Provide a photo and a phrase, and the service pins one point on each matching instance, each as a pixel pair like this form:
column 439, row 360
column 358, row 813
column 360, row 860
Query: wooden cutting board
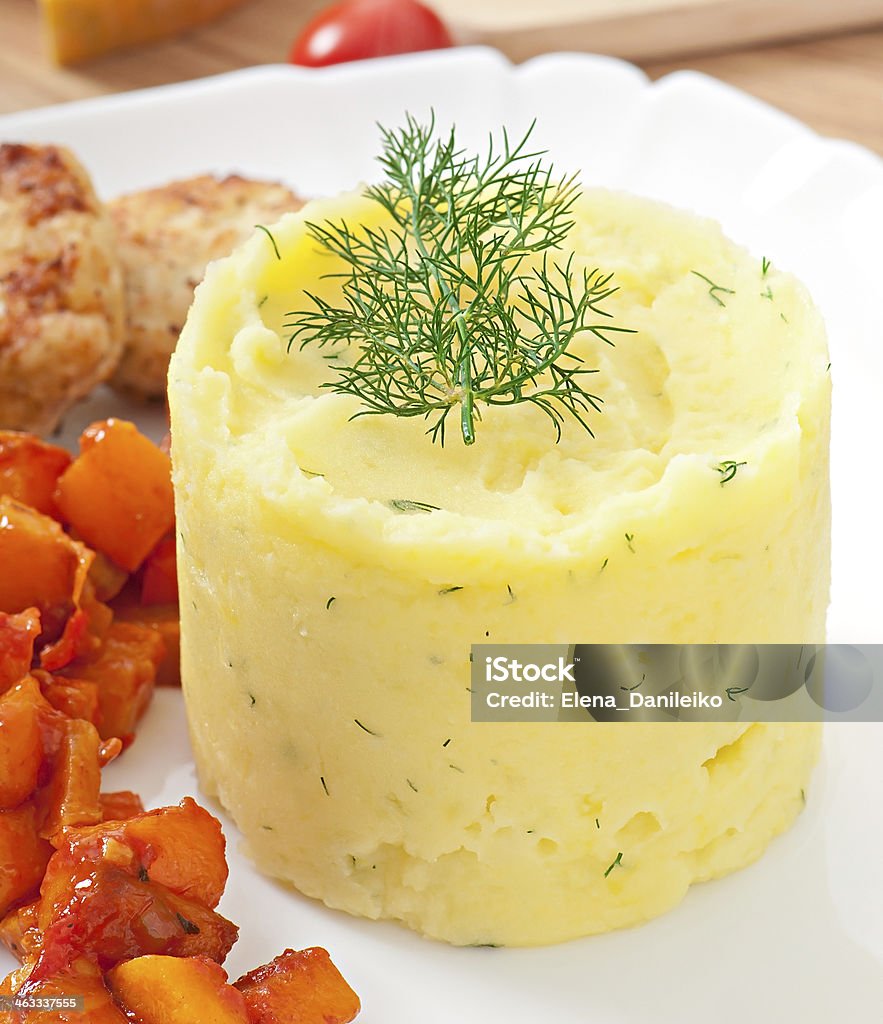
column 648, row 29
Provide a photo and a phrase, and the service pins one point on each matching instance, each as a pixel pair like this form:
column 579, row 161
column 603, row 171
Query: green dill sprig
column 269, row 235
column 628, row 689
column 187, row 926
column 714, row 289
column 616, row 863
column 728, row 469
column 365, row 728
column 405, row 505
column 734, row 691
column 460, row 302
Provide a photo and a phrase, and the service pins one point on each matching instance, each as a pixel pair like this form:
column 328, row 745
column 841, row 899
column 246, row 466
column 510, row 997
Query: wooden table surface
column 835, row 84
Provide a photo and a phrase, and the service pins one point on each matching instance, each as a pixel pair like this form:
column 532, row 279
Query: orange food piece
column 180, row 848
column 9, row 986
column 17, row 636
column 118, row 916
column 107, row 578
column 70, row 644
column 124, row 669
column 40, row 566
column 75, row 698
column 30, row 468
column 171, row 990
column 299, row 987
column 183, row 848
column 109, row 751
column 23, row 856
column 159, row 584
column 165, row 619
column 80, row 978
column 85, row 627
column 21, row 746
column 117, row 494
column 71, row 796
column 20, row 932
column 79, row 30
column 121, row 805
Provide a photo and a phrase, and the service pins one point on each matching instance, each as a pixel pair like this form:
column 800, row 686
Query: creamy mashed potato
column 326, row 669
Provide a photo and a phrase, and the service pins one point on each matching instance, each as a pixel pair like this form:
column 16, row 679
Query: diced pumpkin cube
column 75, row 698
column 18, row 634
column 117, row 916
column 124, row 670
column 40, row 566
column 117, row 494
column 20, row 932
column 30, row 468
column 299, row 987
column 21, row 746
column 171, row 990
column 80, row 978
column 120, row 806
column 23, row 856
column 159, row 584
column 71, row 796
column 181, row 848
column 165, row 619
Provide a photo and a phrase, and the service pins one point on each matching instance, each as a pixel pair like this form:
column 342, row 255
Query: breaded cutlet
column 61, row 297
column 167, row 236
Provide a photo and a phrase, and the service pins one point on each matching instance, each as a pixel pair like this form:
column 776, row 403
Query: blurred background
column 819, row 60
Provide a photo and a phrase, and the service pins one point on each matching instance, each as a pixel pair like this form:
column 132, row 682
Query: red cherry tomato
column 358, row 29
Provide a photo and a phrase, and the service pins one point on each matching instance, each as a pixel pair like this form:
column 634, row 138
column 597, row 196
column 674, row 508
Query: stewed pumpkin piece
column 117, row 493
column 174, row 990
column 299, row 987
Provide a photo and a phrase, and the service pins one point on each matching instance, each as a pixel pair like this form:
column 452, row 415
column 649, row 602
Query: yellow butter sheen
column 326, row 672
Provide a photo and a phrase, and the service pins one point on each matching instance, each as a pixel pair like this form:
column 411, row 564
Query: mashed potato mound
column 325, row 653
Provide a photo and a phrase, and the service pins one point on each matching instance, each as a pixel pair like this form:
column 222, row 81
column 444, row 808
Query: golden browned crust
column 166, row 237
column 61, row 300
column 40, row 178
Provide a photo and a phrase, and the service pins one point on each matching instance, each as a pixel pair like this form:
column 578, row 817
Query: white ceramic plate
column 799, row 935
